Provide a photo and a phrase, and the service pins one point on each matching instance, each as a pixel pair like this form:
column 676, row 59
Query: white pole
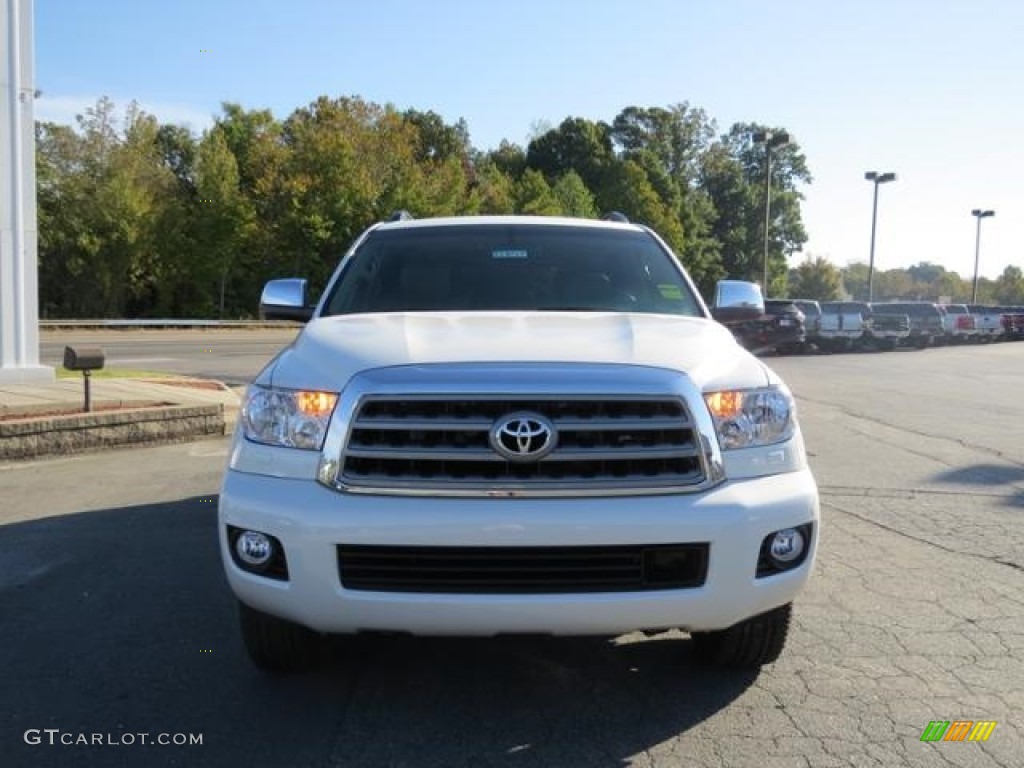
column 19, row 276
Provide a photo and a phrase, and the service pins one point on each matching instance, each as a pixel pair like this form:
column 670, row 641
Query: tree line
column 817, row 278
column 143, row 219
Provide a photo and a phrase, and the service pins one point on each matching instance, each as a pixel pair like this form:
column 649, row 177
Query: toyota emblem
column 523, row 437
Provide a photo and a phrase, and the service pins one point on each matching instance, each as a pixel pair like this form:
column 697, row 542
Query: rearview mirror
column 737, row 300
column 285, row 300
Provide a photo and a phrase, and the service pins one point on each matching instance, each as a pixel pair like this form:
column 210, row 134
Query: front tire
column 276, row 645
column 750, row 644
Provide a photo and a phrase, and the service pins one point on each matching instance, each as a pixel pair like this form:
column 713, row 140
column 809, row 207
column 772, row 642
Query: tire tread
column 754, row 642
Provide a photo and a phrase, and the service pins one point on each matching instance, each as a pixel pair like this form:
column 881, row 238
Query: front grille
column 443, row 443
column 522, row 570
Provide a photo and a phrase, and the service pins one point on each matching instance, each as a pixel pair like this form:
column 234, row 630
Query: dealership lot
column 116, row 619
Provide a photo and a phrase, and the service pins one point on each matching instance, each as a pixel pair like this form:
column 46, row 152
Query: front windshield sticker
column 669, row 291
column 510, row 254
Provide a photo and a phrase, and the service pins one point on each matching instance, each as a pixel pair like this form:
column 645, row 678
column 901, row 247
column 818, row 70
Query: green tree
column 435, row 139
column 534, row 197
column 508, row 158
column 898, row 284
column 630, row 191
column 576, row 145
column 670, row 143
column 952, row 285
column 223, row 216
column 490, row 190
column 142, row 218
column 816, row 279
column 61, row 194
column 101, row 191
column 256, row 140
column 855, row 281
column 676, row 136
column 137, row 189
column 349, row 163
column 573, row 197
column 171, row 271
column 736, row 183
column 732, row 225
column 1009, row 286
column 177, row 149
column 925, row 272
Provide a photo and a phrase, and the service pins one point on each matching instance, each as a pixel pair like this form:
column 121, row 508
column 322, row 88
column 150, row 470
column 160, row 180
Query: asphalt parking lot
column 116, row 620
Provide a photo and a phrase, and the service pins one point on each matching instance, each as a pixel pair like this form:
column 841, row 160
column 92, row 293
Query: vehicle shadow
column 989, row 475
column 119, row 623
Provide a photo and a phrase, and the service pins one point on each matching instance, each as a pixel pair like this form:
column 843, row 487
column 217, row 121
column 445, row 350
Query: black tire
column 276, row 645
column 887, row 345
column 752, row 643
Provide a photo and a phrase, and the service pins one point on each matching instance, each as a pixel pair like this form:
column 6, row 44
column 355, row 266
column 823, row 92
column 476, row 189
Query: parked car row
column 796, row 325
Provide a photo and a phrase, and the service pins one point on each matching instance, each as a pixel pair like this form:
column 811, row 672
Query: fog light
column 254, row 548
column 787, row 545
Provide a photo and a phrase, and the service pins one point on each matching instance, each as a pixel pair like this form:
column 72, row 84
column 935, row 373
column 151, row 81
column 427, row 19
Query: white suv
column 501, row 425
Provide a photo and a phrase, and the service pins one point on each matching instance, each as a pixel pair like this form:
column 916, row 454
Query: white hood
column 331, row 350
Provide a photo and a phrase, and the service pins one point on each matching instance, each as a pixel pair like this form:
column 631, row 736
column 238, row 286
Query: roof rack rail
column 401, row 215
column 616, row 216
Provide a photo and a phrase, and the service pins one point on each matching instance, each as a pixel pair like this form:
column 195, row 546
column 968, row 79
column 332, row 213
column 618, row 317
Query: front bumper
column 311, row 521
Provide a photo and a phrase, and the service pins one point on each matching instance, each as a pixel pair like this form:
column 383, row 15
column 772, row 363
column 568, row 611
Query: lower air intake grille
column 522, row 570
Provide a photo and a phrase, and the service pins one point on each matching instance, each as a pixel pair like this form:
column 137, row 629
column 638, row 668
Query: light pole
column 979, row 214
column 877, row 178
column 771, row 140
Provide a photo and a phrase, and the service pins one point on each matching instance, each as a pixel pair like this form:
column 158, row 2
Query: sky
column 928, row 89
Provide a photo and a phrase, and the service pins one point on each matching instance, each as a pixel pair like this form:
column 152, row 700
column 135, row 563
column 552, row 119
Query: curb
column 81, row 432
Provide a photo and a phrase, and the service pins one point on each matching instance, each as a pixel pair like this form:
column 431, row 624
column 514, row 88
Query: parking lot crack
column 902, row 494
column 855, row 414
column 922, row 540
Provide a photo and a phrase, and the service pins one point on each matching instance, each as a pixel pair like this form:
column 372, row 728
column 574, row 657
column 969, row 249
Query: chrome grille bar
column 430, row 430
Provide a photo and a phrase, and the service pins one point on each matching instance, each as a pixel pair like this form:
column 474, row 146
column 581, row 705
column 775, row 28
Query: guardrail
column 166, row 323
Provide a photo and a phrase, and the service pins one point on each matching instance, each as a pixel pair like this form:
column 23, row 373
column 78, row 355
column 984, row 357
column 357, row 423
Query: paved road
column 232, row 356
column 115, row 619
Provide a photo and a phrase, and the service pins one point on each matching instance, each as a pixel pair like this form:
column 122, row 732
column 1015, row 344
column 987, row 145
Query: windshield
column 511, row 267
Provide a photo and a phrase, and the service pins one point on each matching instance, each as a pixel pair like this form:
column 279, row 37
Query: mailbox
column 86, row 360
column 83, row 358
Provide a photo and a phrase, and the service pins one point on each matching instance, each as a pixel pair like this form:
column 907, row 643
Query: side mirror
column 285, row 300
column 737, row 301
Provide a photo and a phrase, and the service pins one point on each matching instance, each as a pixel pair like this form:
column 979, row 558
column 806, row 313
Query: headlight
column 287, row 417
column 748, row 418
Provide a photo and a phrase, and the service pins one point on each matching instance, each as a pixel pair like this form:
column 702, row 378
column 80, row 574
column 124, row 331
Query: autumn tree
column 139, row 218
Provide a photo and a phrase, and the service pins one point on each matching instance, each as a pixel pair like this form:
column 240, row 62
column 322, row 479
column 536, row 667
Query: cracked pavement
column 109, row 590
